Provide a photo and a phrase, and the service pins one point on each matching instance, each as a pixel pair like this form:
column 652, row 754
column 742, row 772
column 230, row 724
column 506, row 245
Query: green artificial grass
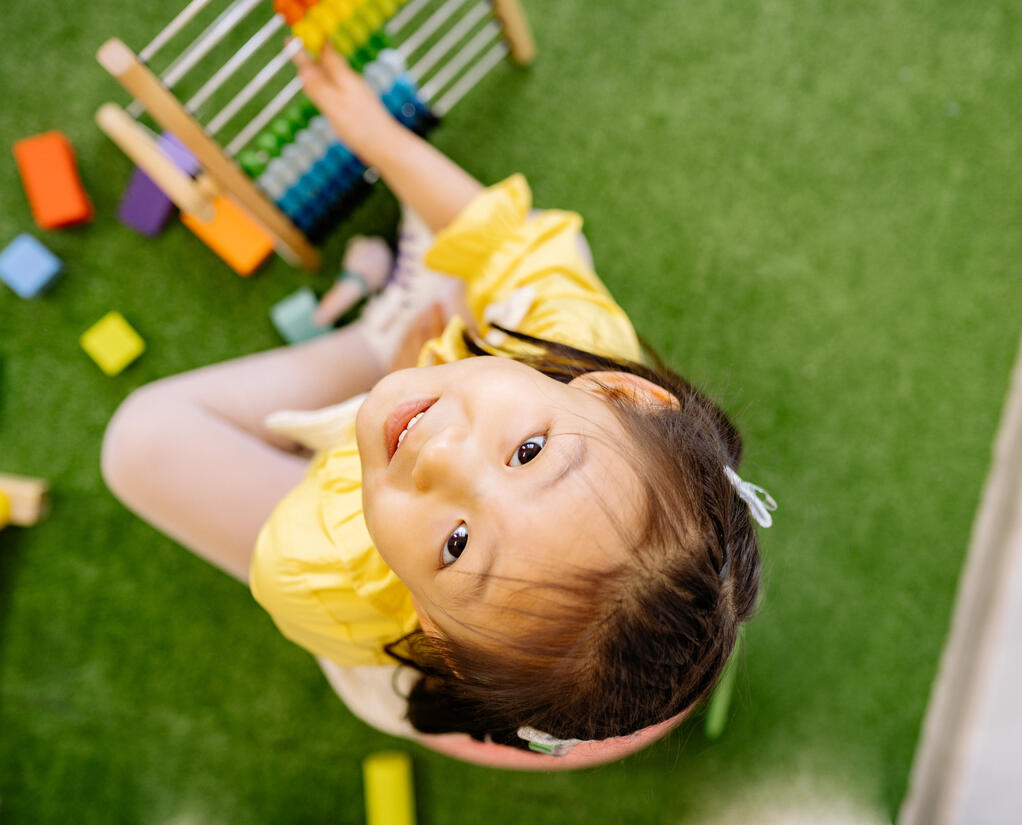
column 811, row 209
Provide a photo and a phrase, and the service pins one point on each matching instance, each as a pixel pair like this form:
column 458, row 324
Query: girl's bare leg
column 191, row 455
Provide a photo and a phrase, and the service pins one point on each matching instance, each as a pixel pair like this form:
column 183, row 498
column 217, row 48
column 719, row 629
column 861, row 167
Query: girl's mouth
column 401, row 420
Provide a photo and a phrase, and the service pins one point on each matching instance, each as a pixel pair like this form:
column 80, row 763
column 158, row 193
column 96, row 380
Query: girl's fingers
column 334, row 66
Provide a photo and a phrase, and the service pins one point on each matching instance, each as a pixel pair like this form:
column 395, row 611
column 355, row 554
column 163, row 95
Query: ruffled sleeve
column 525, row 270
column 316, row 572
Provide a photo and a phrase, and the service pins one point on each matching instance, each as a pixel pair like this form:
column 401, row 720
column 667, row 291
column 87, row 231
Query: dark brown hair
column 614, row 650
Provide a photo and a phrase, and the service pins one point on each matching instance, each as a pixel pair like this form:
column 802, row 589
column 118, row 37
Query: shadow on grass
column 10, row 542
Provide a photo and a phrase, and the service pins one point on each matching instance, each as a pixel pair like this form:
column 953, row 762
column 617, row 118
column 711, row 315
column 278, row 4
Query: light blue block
column 292, row 317
column 28, row 267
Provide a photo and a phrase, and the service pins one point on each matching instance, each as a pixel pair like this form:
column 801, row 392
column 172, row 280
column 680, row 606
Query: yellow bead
column 342, row 8
column 5, row 509
column 311, row 34
column 326, row 18
column 112, row 343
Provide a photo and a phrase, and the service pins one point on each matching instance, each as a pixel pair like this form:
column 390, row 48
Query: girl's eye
column 527, row 451
column 455, row 545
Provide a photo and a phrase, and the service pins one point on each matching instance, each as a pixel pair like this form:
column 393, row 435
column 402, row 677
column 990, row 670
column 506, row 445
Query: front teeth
column 409, row 425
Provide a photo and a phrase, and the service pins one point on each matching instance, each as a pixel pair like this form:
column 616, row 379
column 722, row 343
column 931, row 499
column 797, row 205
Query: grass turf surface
column 811, row 209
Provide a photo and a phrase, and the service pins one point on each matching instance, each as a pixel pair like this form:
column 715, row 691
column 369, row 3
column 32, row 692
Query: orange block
column 48, row 171
column 232, row 235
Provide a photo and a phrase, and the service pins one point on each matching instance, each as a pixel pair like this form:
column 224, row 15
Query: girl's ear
column 430, row 628
column 637, row 388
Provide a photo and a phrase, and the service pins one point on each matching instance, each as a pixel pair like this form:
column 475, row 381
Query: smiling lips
column 401, row 420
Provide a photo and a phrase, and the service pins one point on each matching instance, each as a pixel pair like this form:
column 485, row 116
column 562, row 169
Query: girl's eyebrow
column 575, row 461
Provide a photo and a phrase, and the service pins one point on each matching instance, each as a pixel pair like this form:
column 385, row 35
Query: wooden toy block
column 233, row 235
column 50, row 176
column 27, row 500
column 389, row 796
column 112, row 343
column 144, row 206
column 28, row 267
column 292, row 316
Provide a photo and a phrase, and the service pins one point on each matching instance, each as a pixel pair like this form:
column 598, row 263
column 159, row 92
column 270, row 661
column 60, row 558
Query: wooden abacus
column 284, row 166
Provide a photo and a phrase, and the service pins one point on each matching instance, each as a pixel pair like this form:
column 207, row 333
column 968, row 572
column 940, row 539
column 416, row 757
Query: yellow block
column 112, row 343
column 5, row 509
column 388, row 789
column 233, row 235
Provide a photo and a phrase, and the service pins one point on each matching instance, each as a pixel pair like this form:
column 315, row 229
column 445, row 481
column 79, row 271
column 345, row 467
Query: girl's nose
column 445, row 461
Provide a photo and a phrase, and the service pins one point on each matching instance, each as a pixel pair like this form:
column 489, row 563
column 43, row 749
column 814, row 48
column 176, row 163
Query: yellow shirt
column 315, row 569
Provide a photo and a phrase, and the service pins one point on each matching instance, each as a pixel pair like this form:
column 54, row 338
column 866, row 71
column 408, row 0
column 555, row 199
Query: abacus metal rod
column 231, row 66
column 217, row 31
column 471, row 77
column 269, row 111
column 433, row 22
column 461, row 59
column 201, row 46
column 449, row 40
column 403, row 17
column 173, row 27
column 253, row 86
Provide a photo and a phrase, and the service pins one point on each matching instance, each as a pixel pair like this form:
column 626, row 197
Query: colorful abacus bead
column 269, row 143
column 291, row 10
column 342, row 43
column 254, row 162
column 310, row 33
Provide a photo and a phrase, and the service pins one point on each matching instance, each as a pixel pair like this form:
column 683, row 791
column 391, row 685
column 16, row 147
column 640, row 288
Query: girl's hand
column 428, row 324
column 357, row 116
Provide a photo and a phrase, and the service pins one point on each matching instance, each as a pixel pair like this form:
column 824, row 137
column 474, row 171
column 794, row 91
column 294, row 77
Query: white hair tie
column 759, row 508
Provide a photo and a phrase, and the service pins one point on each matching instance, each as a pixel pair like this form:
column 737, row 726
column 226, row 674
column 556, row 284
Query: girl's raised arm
column 420, row 175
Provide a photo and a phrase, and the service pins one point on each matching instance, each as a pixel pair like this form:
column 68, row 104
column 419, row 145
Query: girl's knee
column 130, row 440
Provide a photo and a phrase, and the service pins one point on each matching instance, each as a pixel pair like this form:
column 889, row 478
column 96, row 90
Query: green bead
column 269, row 143
column 253, row 161
column 284, row 129
column 294, row 114
column 309, row 110
column 379, row 41
column 364, row 55
column 357, row 63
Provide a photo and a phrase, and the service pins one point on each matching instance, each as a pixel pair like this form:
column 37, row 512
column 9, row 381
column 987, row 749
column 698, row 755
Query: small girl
column 550, row 534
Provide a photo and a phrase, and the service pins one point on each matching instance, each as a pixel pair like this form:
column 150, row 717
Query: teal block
column 28, row 267
column 292, row 316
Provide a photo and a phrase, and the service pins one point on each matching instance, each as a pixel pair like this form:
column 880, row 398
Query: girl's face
column 502, row 477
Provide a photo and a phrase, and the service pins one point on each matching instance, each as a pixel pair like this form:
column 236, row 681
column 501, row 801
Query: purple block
column 144, row 207
column 177, row 152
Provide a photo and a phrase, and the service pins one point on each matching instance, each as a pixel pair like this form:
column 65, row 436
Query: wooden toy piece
column 517, row 31
column 233, row 235
column 48, row 171
column 28, row 500
column 112, row 343
column 292, row 316
column 5, row 509
column 145, row 207
column 390, row 799
column 28, row 267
